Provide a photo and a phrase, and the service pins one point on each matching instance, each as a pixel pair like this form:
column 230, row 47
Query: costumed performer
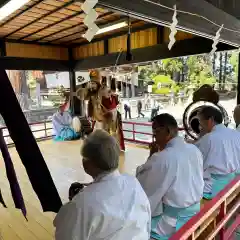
column 102, row 108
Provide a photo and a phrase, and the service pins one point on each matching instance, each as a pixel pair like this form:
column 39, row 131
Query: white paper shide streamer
column 173, row 29
column 89, row 20
column 216, row 41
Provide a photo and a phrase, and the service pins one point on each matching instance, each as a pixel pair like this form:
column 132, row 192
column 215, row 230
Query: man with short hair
column 221, row 151
column 236, row 116
column 113, row 207
column 172, row 178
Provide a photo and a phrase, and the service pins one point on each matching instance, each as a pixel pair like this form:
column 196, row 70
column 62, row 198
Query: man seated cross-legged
column 172, row 178
column 112, row 207
column 221, row 151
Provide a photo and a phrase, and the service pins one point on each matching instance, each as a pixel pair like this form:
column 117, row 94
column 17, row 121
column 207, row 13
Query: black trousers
column 128, row 112
column 140, row 113
column 154, row 113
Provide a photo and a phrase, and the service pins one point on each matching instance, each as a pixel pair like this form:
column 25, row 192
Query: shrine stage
column 64, row 162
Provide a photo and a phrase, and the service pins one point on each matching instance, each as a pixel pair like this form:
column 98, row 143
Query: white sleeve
column 65, row 222
column 204, row 145
column 70, row 223
column 156, row 178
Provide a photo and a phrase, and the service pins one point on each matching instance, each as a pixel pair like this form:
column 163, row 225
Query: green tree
column 164, row 84
column 31, row 80
column 234, row 62
column 200, row 71
column 172, row 65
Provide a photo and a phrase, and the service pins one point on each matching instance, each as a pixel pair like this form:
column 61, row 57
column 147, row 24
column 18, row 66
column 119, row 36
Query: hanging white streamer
column 216, row 41
column 192, row 14
column 173, row 29
column 89, row 20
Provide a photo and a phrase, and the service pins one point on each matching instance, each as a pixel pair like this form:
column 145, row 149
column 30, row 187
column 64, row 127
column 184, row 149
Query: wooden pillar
column 238, row 84
column 3, row 48
column 75, row 103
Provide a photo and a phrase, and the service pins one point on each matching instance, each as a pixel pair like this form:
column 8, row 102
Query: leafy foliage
column 164, row 84
column 200, row 71
column 191, row 72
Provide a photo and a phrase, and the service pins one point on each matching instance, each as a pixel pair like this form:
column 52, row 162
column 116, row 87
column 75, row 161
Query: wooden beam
column 189, row 23
column 106, row 47
column 181, row 48
column 3, row 2
column 116, row 34
column 76, row 104
column 160, row 34
column 230, row 6
column 35, row 43
column 3, row 52
column 13, row 63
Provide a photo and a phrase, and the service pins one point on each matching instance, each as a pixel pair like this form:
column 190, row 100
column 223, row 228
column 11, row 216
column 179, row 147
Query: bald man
column 236, row 116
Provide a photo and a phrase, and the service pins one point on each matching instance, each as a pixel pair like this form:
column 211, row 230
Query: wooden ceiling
column 52, row 21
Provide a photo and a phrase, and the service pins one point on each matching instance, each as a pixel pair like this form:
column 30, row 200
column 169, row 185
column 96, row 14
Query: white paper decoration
column 173, row 29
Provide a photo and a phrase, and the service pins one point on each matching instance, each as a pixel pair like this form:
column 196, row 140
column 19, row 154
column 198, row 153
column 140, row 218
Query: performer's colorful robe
column 111, row 122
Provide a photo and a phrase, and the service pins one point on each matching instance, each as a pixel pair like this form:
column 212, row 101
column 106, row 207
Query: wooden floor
column 64, row 162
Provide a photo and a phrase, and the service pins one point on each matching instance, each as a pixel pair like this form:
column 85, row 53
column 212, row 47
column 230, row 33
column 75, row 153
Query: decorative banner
column 58, row 79
column 82, row 77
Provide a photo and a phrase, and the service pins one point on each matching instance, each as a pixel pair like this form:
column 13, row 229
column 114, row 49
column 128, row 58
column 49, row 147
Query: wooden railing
column 40, row 130
column 214, row 217
column 132, row 134
column 43, row 130
column 215, row 214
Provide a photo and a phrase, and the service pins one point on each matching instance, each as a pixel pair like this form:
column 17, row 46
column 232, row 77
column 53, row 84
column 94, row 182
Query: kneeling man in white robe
column 113, row 207
column 221, row 151
column 172, row 178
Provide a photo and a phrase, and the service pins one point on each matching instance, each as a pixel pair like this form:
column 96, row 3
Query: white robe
column 174, row 177
column 114, row 207
column 221, row 153
column 238, row 128
column 60, row 120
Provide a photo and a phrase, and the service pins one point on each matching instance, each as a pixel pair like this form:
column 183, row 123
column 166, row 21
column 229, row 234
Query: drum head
column 190, row 119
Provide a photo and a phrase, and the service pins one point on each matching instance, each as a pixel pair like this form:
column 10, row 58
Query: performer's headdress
column 95, row 75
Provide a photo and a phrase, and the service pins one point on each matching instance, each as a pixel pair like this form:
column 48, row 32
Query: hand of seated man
column 74, row 189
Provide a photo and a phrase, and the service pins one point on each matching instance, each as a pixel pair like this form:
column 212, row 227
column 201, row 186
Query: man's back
column 187, row 185
column 114, row 207
column 221, row 150
column 173, row 176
